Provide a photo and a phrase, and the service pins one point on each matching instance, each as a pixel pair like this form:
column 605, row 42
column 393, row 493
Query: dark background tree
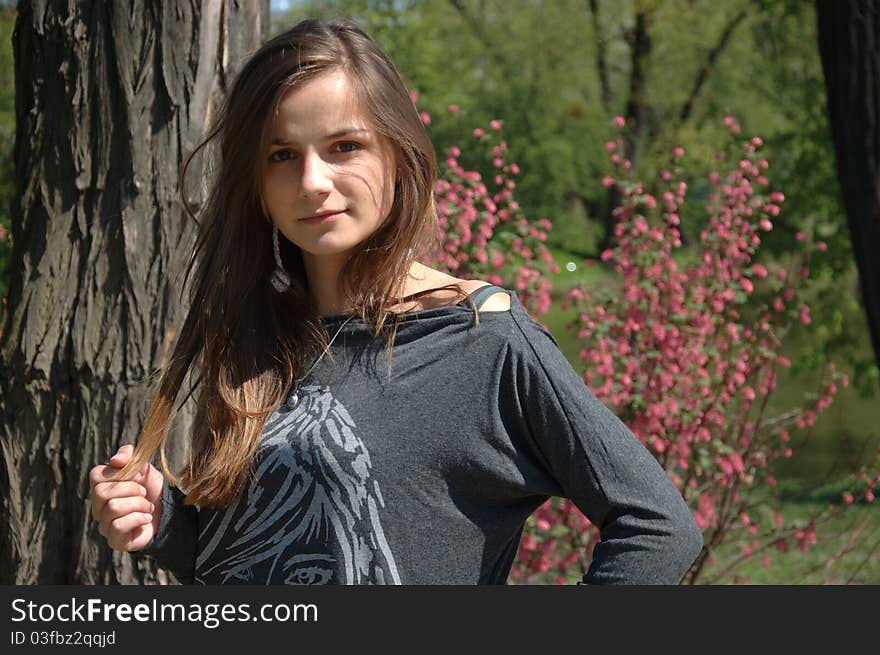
column 110, row 97
column 849, row 44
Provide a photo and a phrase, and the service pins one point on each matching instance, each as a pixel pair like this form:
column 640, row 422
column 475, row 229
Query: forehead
column 321, row 106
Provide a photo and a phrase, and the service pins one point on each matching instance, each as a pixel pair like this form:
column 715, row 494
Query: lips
column 322, row 216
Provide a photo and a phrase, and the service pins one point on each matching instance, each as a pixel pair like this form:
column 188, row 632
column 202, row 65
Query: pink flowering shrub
column 484, row 232
column 687, row 356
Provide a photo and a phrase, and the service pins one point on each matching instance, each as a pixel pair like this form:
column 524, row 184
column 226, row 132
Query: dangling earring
column 280, row 278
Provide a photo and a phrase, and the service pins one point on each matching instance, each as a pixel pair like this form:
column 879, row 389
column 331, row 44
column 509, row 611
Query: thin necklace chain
column 330, row 343
column 294, row 396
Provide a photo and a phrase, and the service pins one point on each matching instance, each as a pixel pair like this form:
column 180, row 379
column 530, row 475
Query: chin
column 329, row 250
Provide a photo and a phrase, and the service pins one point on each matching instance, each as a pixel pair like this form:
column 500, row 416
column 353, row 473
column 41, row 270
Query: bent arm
column 648, row 534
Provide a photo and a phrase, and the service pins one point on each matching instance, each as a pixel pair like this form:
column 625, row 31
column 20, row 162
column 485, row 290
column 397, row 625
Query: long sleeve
column 648, row 535
column 174, row 544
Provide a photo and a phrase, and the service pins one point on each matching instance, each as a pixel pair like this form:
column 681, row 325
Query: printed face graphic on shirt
column 310, row 515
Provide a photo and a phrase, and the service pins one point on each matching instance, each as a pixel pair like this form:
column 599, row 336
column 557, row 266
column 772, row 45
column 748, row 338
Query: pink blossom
column 800, row 236
column 732, row 125
column 659, row 332
column 453, row 109
column 495, row 124
column 678, row 152
column 414, row 96
column 821, row 245
column 804, row 316
column 619, row 121
column 479, row 132
column 607, row 181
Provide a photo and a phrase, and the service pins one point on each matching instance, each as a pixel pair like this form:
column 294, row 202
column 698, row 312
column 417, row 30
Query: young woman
column 323, row 452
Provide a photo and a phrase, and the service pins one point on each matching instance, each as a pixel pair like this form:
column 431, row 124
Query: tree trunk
column 849, row 44
column 639, row 40
column 110, row 97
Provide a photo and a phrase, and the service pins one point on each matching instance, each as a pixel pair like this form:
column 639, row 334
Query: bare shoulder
column 497, row 302
column 438, row 283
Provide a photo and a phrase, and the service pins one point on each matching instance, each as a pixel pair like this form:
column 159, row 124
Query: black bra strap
column 482, row 294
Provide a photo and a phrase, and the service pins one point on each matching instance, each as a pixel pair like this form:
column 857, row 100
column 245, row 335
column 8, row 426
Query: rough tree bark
column 110, row 97
column 849, row 44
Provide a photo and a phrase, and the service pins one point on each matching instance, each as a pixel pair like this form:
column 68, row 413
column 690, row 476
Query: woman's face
column 328, row 180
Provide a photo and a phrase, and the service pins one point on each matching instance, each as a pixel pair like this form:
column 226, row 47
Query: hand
column 127, row 511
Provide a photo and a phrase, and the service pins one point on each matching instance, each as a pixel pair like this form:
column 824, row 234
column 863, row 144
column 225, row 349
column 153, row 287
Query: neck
column 323, row 275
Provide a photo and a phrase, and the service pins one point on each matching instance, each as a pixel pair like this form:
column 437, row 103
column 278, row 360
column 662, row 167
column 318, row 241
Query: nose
column 316, row 176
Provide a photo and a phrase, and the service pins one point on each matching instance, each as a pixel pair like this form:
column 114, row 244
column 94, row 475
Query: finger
column 140, row 537
column 117, row 507
column 119, row 536
column 142, row 475
column 104, row 473
column 122, row 456
column 104, row 491
column 106, row 526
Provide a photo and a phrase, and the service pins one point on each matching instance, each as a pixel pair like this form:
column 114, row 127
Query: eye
column 281, row 155
column 347, row 146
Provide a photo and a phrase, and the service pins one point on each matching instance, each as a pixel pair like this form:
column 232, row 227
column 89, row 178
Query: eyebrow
column 345, row 131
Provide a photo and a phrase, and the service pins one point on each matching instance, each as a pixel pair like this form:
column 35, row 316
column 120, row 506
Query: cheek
column 274, row 188
column 381, row 182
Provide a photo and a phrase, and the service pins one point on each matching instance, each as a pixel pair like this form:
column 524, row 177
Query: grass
column 847, row 551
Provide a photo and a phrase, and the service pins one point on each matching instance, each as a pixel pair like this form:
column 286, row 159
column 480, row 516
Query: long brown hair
column 245, row 341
